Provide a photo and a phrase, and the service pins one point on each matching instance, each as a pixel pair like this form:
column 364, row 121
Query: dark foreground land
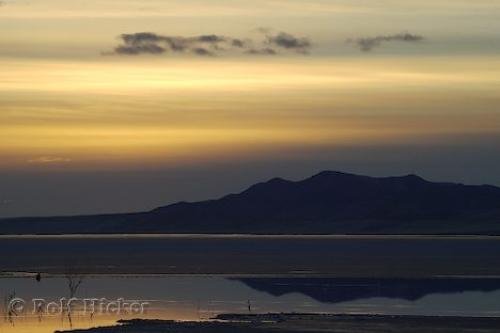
column 297, row 323
column 350, row 256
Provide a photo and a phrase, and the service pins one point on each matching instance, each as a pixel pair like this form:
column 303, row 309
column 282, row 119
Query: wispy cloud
column 209, row 45
column 6, row 202
column 49, row 159
column 367, row 44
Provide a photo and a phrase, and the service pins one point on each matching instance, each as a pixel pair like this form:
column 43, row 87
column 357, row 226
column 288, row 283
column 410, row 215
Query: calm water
column 197, row 277
column 348, row 256
column 202, row 297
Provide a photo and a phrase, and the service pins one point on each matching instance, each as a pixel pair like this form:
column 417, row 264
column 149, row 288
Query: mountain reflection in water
column 335, row 290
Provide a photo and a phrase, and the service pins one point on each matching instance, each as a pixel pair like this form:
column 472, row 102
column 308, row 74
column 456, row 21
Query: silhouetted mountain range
column 326, row 203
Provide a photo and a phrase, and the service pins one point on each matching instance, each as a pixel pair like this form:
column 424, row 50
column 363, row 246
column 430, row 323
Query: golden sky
column 77, row 112
column 253, row 79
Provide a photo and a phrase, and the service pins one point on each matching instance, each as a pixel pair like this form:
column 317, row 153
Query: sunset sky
column 124, row 105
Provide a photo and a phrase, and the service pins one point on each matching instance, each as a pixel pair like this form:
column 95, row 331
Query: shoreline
column 300, row 322
column 31, row 275
column 251, row 236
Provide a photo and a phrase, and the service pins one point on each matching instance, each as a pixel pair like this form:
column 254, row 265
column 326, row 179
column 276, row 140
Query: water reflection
column 202, row 297
column 335, row 290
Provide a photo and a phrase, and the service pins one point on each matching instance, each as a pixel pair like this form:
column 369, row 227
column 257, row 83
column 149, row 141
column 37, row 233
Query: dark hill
column 327, row 203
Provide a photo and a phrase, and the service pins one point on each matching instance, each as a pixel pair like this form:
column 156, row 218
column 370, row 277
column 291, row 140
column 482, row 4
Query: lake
column 338, row 256
column 195, row 277
column 195, row 297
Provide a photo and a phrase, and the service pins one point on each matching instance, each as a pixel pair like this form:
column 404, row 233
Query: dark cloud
column 176, row 44
column 149, row 48
column 141, row 37
column 238, row 43
column 288, row 41
column 285, row 41
column 151, row 43
column 207, row 45
column 202, row 52
column 263, row 51
column 211, row 39
column 367, row 44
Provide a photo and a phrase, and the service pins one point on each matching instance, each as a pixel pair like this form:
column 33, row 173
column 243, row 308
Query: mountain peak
column 413, row 176
column 410, row 179
column 333, row 174
column 276, row 180
column 329, row 173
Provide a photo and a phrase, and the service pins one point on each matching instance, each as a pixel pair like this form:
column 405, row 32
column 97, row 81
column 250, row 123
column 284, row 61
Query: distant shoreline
column 248, row 236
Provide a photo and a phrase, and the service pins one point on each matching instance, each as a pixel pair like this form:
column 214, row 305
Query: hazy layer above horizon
column 383, row 88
